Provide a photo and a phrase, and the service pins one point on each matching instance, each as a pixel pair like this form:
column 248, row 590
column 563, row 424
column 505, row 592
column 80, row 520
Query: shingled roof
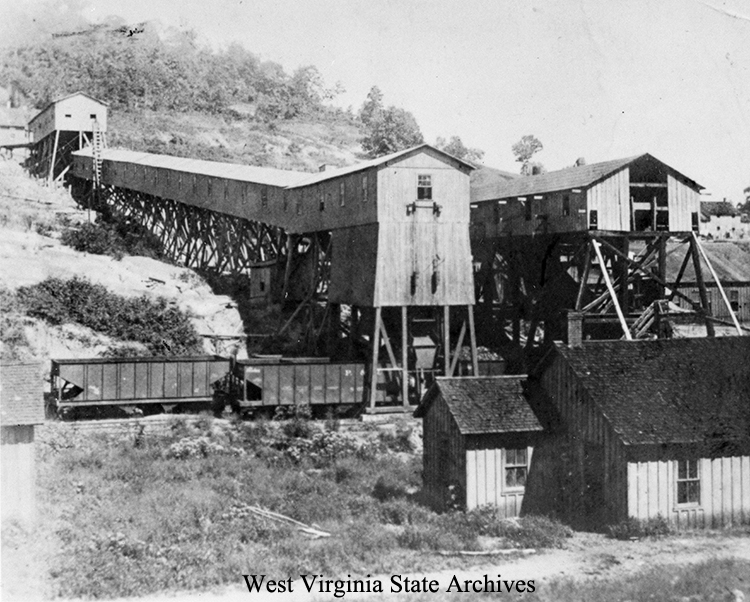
column 21, row 394
column 553, row 181
column 674, row 391
column 484, row 405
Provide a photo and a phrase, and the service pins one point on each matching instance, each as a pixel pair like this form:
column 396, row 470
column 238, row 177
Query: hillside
column 301, row 144
column 32, row 219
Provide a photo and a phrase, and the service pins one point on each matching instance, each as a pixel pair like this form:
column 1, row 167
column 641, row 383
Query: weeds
column 634, row 528
column 142, row 514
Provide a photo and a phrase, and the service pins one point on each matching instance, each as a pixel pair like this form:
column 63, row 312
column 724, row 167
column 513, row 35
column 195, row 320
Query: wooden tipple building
column 66, row 125
column 387, row 238
column 590, row 239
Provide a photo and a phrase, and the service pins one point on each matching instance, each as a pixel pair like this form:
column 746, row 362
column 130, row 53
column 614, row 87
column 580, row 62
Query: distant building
column 722, row 227
column 21, row 409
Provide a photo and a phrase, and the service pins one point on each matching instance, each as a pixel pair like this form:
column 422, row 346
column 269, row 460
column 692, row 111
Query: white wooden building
column 479, row 437
column 21, row 409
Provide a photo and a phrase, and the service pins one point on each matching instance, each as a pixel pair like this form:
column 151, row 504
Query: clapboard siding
column 610, row 198
column 724, row 492
column 683, row 201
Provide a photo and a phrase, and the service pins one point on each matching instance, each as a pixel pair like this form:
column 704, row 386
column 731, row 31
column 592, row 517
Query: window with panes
column 516, row 467
column 688, row 482
column 424, row 187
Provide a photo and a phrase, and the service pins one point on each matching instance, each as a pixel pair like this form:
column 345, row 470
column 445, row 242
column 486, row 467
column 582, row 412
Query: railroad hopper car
column 269, row 382
column 151, row 384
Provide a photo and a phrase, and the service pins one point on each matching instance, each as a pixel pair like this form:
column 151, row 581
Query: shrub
column 388, row 488
column 162, row 328
column 116, row 236
column 634, row 528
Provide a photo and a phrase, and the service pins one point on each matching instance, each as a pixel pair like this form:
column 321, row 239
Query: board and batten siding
column 610, row 198
column 724, row 492
column 683, row 201
column 587, row 431
column 444, row 457
column 485, row 479
column 18, row 472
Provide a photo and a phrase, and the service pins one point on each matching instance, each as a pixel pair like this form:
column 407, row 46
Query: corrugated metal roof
column 564, row 179
column 329, row 174
column 243, row 173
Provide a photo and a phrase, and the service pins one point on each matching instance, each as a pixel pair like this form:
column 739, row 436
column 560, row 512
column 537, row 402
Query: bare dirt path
column 587, row 556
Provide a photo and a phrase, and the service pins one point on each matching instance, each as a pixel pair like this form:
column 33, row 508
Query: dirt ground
column 586, row 557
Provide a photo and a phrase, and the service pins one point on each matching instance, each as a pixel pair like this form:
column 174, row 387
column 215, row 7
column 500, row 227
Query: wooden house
column 479, row 436
column 21, row 409
column 73, row 113
column 635, row 194
column 644, row 429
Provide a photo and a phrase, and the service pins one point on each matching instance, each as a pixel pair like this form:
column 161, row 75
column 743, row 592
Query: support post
column 447, row 339
column 662, row 264
column 50, row 177
column 718, row 284
column 695, row 252
column 473, row 342
column 612, row 292
column 404, row 357
column 584, row 277
column 374, row 362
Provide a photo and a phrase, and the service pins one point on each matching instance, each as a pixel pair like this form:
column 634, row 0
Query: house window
column 566, row 205
column 342, row 194
column 92, row 115
column 424, row 188
column 264, row 197
column 516, row 467
column 322, row 202
column 364, row 189
column 688, row 482
column 68, row 115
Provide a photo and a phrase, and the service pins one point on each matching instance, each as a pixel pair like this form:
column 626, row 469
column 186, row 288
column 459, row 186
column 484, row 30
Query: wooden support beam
column 680, row 274
column 50, row 177
column 457, row 352
column 695, row 252
column 375, row 347
column 473, row 341
column 584, row 277
column 404, row 356
column 447, row 339
column 612, row 293
column 718, row 284
column 662, row 273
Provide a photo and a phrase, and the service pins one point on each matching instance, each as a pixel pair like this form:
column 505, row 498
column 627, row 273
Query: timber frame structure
column 613, row 283
column 374, row 258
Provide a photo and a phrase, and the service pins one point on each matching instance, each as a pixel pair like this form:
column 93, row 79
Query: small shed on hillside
column 479, row 436
column 645, row 428
column 21, row 408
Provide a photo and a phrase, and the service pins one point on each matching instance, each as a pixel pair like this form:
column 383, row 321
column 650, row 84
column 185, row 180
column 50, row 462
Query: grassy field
column 130, row 514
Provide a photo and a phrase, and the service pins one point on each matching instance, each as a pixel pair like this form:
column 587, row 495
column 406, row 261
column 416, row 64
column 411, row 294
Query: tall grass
column 139, row 519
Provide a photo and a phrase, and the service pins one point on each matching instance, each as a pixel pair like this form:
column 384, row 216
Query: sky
column 599, row 79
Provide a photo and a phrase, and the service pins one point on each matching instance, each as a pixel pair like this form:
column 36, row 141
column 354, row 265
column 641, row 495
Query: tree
column 390, row 130
column 458, row 149
column 372, row 107
column 524, row 150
